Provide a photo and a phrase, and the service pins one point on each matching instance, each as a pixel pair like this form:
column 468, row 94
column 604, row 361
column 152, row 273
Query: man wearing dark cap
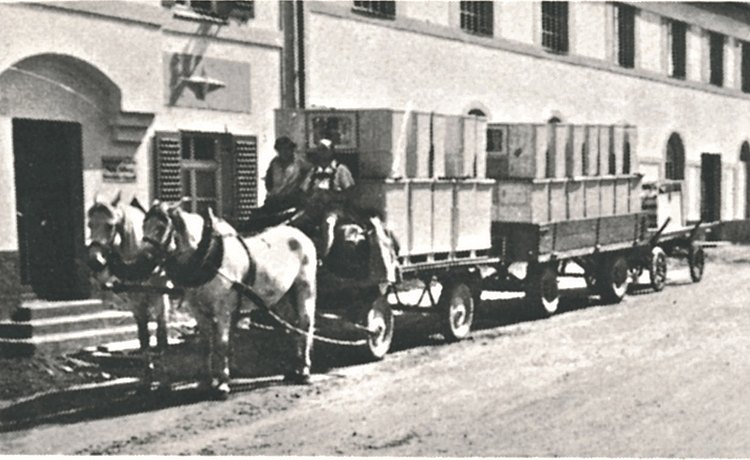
column 285, row 177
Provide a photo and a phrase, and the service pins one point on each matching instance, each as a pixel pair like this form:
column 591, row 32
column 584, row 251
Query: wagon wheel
column 614, row 279
column 657, row 271
column 456, row 306
column 542, row 292
column 379, row 320
column 697, row 262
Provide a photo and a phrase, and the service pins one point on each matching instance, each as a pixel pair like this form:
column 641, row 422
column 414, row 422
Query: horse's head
column 159, row 230
column 105, row 222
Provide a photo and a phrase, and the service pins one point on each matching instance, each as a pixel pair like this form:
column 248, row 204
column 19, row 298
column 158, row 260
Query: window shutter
column 167, row 157
column 245, row 176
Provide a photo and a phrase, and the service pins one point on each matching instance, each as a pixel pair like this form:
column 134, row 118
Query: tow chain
column 248, row 292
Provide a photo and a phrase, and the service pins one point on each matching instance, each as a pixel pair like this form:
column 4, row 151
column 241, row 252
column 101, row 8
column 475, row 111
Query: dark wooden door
column 710, row 187
column 49, row 200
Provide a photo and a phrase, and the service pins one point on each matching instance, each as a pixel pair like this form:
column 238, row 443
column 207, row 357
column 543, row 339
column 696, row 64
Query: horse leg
column 222, row 324
column 163, row 308
column 304, row 305
column 205, row 331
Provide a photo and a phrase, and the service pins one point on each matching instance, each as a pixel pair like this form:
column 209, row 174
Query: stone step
column 39, row 309
column 66, row 342
column 64, row 324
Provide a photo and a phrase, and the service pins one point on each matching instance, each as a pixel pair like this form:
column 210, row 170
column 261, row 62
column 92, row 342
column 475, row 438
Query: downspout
column 301, row 78
column 289, row 60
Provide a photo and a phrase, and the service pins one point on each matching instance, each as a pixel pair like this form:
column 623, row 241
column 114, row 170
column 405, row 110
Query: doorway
column 49, row 202
column 710, row 187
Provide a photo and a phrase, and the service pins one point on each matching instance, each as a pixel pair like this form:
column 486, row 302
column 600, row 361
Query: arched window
column 745, row 159
column 674, row 167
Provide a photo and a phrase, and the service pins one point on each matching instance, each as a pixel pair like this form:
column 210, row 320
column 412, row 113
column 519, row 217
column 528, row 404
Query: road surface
column 658, row 375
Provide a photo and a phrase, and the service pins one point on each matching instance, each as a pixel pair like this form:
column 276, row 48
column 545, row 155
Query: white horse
column 205, row 256
column 116, row 235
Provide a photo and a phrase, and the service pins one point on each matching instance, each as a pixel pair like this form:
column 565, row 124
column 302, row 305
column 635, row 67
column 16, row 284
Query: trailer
column 465, row 199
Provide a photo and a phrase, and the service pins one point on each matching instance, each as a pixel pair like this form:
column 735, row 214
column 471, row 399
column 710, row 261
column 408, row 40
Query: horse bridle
column 108, row 247
column 161, row 245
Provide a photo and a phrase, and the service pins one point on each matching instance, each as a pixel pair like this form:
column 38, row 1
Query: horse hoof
column 221, row 393
column 297, row 378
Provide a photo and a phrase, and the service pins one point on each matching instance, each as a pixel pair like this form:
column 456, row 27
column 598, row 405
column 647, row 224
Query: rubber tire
column 542, row 291
column 657, row 272
column 456, row 306
column 615, row 279
column 379, row 317
column 697, row 262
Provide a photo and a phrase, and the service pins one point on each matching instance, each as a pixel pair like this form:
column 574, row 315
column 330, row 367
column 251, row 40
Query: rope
column 246, row 290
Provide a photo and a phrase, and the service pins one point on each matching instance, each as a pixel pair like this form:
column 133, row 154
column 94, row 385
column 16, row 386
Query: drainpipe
column 288, row 59
column 301, row 78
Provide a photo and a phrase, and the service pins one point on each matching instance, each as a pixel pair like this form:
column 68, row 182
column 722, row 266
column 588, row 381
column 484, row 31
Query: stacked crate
column 557, row 172
column 424, row 171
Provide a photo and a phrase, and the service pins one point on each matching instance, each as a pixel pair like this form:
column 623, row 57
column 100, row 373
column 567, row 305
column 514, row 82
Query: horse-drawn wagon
column 465, row 198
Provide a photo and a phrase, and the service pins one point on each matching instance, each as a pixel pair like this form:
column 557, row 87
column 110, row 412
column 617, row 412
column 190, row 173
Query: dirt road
column 661, row 374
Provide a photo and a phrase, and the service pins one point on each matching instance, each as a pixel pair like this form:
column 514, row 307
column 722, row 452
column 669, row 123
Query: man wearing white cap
column 328, row 186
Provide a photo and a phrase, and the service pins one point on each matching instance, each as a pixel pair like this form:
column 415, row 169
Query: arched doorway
column 674, row 165
column 55, row 105
column 745, row 160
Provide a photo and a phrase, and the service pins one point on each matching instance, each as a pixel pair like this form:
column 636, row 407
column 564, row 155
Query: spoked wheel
column 379, row 321
column 657, row 272
column 456, row 307
column 542, row 292
column 615, row 279
column 697, row 262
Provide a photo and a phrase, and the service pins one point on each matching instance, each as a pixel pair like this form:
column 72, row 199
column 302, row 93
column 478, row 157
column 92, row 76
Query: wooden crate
column 481, row 148
column 622, row 195
column 525, row 160
column 559, row 152
column 605, row 150
column 575, row 199
column 454, row 154
column 618, row 144
column 497, row 151
column 592, row 197
column 384, row 137
column 443, row 206
column 473, row 217
column 558, row 202
column 438, row 145
column 575, row 155
column 607, row 194
column 594, row 166
column 420, row 216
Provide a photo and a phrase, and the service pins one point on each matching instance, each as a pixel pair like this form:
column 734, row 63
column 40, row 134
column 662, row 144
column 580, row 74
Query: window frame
column 621, row 13
column 192, row 166
column 716, row 63
column 555, row 27
column 744, row 66
column 383, row 9
column 477, row 17
column 673, row 50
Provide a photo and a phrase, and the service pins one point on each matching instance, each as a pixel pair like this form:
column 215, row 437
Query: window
column 745, row 69
column 216, row 170
column 625, row 35
column 716, row 58
column 213, row 10
column 199, row 171
column 678, row 49
column 674, row 167
column 477, row 17
column 383, row 8
column 555, row 26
